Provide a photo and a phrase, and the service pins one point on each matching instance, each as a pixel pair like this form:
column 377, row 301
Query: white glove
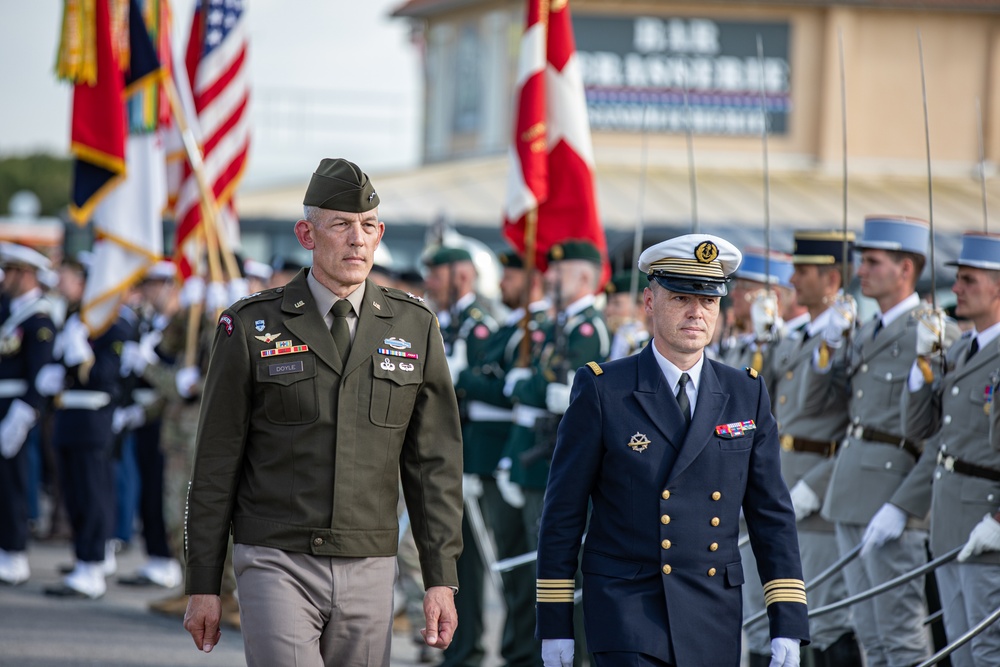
column 984, row 537
column 472, row 486
column 784, row 652
column 217, row 297
column 128, row 418
column 14, row 427
column 514, row 376
column 50, row 378
column 843, row 315
column 137, row 356
column 764, row 315
column 930, row 331
column 73, row 343
column 238, row 288
column 887, row 524
column 458, row 360
column 192, row 292
column 804, row 500
column 557, row 652
column 509, row 491
column 557, row 395
column 186, row 381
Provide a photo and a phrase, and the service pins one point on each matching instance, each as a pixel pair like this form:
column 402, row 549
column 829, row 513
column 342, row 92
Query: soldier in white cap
column 26, row 340
column 667, row 447
column 870, row 372
column 958, row 476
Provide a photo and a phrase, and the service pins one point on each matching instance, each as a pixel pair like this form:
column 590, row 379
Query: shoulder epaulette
column 407, row 297
column 594, row 366
column 751, row 372
column 264, row 295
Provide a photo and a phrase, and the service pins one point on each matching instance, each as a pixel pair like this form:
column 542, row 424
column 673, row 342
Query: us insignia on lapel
column 735, row 429
column 639, row 442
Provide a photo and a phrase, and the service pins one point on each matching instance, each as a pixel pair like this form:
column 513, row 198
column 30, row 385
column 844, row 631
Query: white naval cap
column 162, row 270
column 254, row 269
column 692, row 264
column 15, row 254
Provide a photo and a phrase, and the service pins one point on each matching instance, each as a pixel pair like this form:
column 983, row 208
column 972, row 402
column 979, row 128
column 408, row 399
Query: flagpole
column 530, row 242
column 640, row 213
column 982, row 166
column 215, row 237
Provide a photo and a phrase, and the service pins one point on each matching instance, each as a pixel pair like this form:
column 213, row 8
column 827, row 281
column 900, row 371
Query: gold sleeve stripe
column 562, row 596
column 785, row 583
column 554, row 583
column 789, row 597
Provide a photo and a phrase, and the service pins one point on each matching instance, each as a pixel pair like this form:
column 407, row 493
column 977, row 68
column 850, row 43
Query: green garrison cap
column 445, row 255
column 340, row 185
column 584, row 250
column 511, row 259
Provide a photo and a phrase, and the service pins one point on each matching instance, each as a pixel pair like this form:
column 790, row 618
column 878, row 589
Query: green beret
column 584, row 250
column 340, row 185
column 621, row 283
column 511, row 259
column 444, row 255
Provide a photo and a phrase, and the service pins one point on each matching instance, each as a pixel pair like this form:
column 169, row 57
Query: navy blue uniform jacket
column 661, row 565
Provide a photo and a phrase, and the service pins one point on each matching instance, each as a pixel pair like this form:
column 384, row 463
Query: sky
column 330, row 78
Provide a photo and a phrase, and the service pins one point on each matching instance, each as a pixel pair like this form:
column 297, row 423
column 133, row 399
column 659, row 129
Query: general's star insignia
column 268, row 337
column 639, row 442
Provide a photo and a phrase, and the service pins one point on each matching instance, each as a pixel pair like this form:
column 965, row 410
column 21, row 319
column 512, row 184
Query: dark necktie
column 340, row 330
column 878, row 327
column 972, row 349
column 682, row 398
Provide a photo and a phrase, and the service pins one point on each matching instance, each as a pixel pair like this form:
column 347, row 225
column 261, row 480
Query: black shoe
column 65, row 592
column 136, row 580
column 845, row 652
column 759, row 660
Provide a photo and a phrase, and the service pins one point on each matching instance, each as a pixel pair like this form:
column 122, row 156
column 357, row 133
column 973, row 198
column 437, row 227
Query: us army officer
column 321, row 397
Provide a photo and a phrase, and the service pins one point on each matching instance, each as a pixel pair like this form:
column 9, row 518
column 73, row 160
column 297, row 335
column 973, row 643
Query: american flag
column 216, row 64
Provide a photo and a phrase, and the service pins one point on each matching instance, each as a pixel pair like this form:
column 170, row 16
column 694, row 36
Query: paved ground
column 118, row 631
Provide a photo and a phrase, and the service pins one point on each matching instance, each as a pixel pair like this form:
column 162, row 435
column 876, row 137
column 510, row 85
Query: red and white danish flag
column 551, row 157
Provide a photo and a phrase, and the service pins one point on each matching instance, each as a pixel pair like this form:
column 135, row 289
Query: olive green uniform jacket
column 297, row 451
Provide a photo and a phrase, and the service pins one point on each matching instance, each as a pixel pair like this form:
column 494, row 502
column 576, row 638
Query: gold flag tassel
column 76, row 60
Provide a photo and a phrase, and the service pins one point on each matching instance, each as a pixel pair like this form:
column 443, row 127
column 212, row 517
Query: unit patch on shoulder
column 227, row 321
column 594, row 366
column 751, row 372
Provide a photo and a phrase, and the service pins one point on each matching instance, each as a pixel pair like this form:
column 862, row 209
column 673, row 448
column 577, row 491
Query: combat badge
column 268, row 337
column 397, row 343
column 639, row 442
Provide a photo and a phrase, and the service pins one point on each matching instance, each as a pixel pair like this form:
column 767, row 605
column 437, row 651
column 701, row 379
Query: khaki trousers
column 314, row 611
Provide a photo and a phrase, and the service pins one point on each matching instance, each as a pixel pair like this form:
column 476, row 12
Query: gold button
column 666, row 569
column 716, row 495
column 665, row 544
column 715, row 521
column 782, row 399
column 665, row 519
column 711, row 571
column 714, row 546
column 789, row 375
column 318, row 541
column 665, row 494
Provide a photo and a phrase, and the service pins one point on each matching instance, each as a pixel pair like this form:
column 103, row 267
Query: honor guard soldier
column 88, row 388
column 322, row 397
column 759, row 290
column 809, row 437
column 624, row 314
column 26, row 340
column 485, row 432
column 958, row 476
column 578, row 334
column 667, row 447
column 869, row 371
column 466, row 328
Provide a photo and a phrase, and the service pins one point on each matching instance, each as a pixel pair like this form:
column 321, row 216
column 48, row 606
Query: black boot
column 845, row 652
column 759, row 660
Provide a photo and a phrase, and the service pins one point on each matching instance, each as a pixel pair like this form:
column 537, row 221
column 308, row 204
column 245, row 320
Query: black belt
column 825, row 448
column 951, row 464
column 871, row 435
